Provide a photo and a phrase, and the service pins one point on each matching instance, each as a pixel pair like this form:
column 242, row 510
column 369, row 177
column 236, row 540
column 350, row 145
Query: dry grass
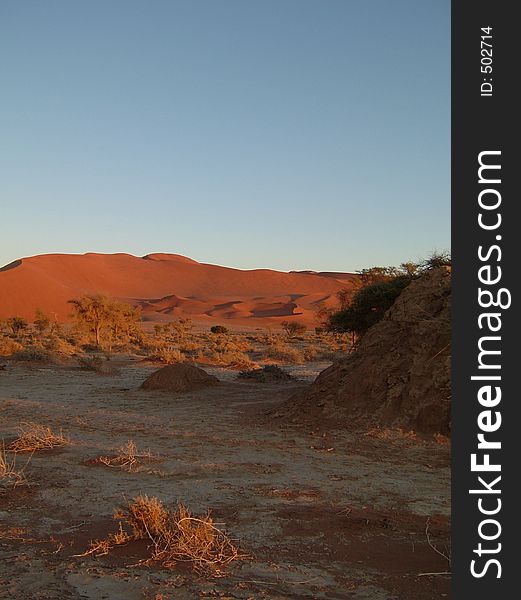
column 10, row 475
column 34, row 437
column 176, row 536
column 128, row 457
column 35, row 354
column 8, row 346
column 168, row 355
column 280, row 351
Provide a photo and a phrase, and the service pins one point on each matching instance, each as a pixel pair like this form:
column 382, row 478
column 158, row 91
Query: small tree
column 293, row 328
column 368, row 307
column 41, row 321
column 16, row 325
column 108, row 320
column 436, row 260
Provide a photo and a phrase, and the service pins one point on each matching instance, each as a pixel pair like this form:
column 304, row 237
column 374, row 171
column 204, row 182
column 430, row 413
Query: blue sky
column 288, row 134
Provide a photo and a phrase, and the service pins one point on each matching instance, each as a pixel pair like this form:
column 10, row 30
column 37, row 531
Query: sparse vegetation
column 8, row 346
column 109, row 321
column 168, row 355
column 34, row 437
column 266, row 373
column 375, row 291
column 128, row 457
column 293, row 328
column 10, row 474
column 219, row 329
column 91, row 363
column 280, row 351
column 17, row 325
column 176, row 536
column 34, row 353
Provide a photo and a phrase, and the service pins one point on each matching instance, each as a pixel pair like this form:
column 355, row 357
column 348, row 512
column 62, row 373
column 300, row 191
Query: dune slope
column 166, row 286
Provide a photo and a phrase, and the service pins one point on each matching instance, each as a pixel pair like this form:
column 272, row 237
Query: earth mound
column 179, row 378
column 400, row 374
column 268, row 373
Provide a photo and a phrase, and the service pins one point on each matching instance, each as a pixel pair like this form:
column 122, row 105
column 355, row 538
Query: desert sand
column 167, row 286
column 319, row 513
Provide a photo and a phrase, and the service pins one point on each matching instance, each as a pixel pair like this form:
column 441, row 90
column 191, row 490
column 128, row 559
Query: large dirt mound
column 400, row 374
column 179, row 378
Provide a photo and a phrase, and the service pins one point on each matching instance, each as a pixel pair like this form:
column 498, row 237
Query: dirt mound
column 179, row 378
column 400, row 374
column 268, row 373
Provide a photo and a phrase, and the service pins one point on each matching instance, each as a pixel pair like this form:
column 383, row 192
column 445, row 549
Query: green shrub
column 369, row 305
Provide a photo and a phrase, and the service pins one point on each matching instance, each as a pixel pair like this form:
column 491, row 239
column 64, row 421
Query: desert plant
column 17, row 325
column 41, row 322
column 293, row 328
column 34, row 437
column 108, row 320
column 8, row 346
column 283, row 353
column 437, row 260
column 167, row 355
column 128, row 457
column 266, row 373
column 58, row 345
column 310, row 353
column 175, row 535
column 10, row 475
column 368, row 306
column 219, row 329
column 91, row 363
column 34, row 353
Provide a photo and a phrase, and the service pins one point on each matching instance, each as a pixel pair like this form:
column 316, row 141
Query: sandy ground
column 322, row 514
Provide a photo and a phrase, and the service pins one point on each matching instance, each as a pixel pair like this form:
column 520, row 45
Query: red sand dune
column 166, row 286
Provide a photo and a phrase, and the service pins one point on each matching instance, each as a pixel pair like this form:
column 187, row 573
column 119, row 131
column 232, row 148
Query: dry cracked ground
column 320, row 514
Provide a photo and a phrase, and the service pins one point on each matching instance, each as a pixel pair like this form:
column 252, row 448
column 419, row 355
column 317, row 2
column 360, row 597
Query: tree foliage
column 375, row 291
column 368, row 306
column 108, row 320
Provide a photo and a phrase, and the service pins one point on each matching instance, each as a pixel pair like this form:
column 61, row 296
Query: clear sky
column 290, row 134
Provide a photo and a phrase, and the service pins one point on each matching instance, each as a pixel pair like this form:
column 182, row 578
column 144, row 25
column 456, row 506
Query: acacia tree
column 105, row 318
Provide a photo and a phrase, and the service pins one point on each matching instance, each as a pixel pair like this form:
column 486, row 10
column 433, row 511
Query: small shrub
column 58, row 345
column 10, row 475
column 91, row 363
column 284, row 353
column 219, row 329
column 437, row 260
column 34, row 353
column 8, row 346
column 267, row 373
column 128, row 457
column 175, row 535
column 232, row 358
column 293, row 328
column 168, row 355
column 17, row 325
column 310, row 353
column 34, row 436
